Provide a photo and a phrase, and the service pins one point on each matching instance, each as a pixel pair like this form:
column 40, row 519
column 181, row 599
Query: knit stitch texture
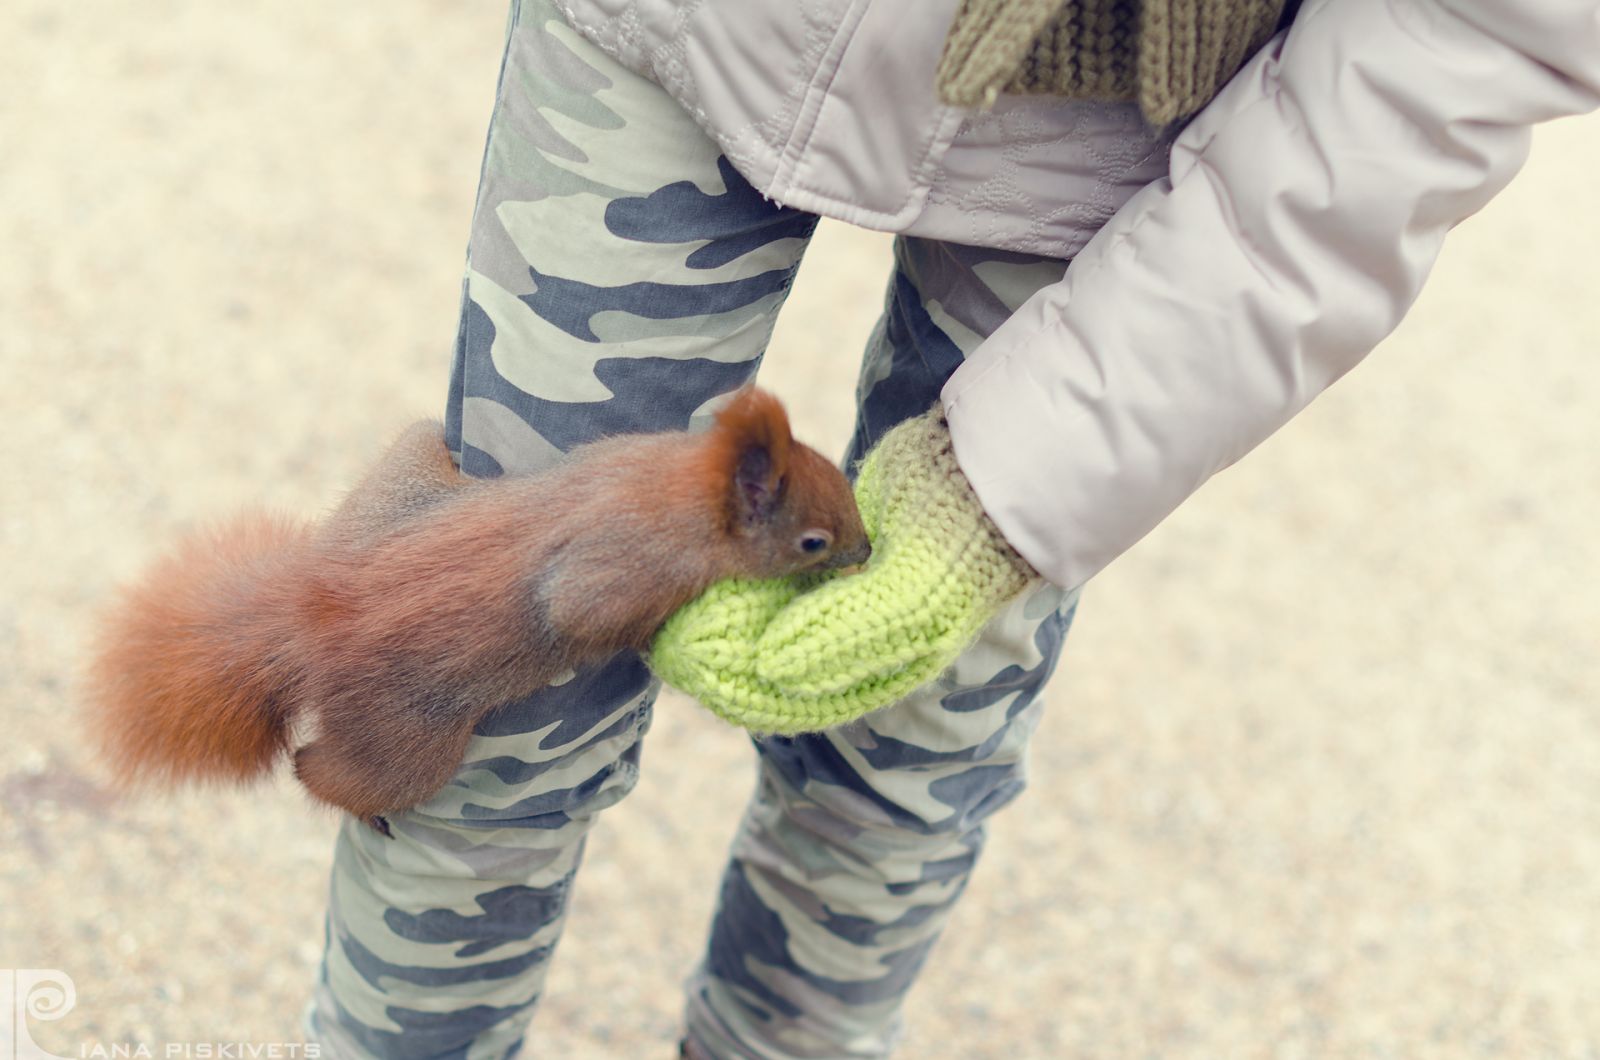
column 799, row 655
column 1171, row 56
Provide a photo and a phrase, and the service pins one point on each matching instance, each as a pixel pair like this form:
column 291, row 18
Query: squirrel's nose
column 851, row 557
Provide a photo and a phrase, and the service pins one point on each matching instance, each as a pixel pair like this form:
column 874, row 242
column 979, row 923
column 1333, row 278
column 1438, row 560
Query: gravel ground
column 1321, row 775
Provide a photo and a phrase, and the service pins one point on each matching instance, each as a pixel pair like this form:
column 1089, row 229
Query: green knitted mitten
column 799, row 655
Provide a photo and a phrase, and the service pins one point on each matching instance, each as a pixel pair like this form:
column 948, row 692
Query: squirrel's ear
column 754, row 435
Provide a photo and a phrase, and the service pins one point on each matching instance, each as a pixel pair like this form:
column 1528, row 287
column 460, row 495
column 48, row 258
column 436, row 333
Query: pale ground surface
column 1321, row 775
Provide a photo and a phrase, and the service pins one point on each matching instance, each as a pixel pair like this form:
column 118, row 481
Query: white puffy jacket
column 1221, row 280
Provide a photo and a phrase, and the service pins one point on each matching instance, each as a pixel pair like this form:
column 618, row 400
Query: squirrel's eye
column 813, row 542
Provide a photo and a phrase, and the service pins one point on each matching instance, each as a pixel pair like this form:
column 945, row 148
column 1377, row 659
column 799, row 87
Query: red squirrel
column 428, row 598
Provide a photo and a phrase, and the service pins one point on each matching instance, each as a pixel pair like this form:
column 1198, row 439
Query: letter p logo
column 31, row 993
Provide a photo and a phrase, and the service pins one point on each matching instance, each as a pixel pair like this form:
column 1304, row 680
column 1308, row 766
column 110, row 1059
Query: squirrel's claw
column 380, row 825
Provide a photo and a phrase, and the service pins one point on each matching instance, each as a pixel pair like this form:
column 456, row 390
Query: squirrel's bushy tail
column 190, row 674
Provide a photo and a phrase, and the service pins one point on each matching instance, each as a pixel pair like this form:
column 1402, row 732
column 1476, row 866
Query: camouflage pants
column 621, row 276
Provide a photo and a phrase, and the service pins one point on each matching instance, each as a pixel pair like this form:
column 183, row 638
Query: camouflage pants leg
column 860, row 840
column 621, row 275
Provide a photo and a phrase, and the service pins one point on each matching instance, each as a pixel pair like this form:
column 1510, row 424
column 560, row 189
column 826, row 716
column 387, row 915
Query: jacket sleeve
column 1301, row 214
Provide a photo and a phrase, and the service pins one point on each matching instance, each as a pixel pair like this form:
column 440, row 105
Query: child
column 651, row 179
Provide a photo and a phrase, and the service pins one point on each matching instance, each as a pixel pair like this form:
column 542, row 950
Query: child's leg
column 860, row 840
column 621, row 275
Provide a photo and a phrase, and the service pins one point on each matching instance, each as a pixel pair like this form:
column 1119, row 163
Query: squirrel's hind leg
column 373, row 776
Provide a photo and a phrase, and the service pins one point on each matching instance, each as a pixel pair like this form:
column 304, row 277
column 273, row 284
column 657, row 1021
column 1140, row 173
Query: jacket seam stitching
column 816, row 95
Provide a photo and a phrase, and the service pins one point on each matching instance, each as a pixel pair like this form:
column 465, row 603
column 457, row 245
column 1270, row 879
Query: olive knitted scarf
column 1171, row 56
